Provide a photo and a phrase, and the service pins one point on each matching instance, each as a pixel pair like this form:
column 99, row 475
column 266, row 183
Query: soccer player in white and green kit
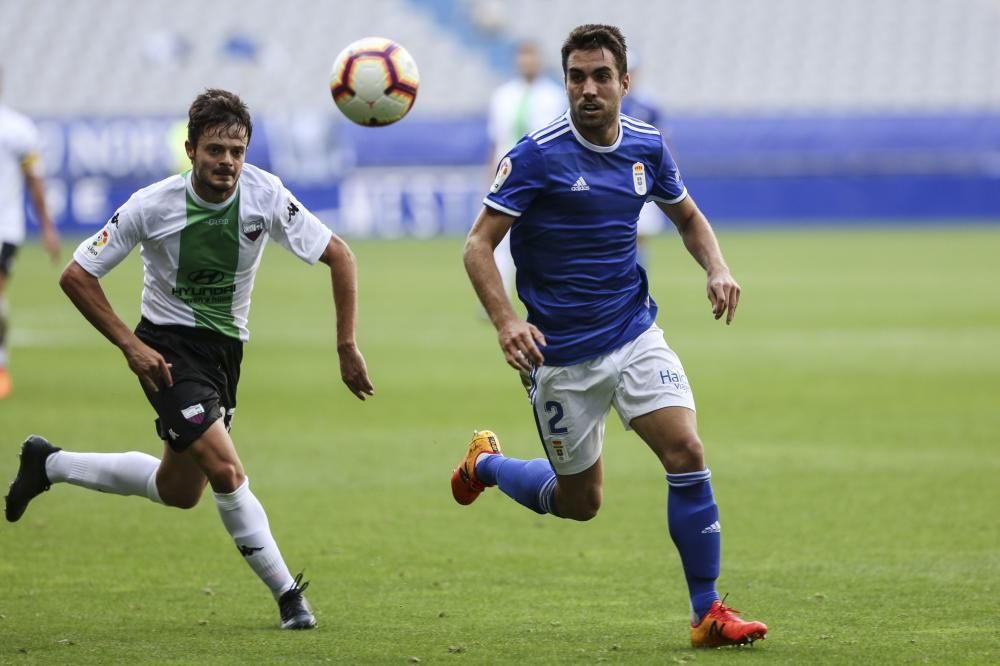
column 202, row 235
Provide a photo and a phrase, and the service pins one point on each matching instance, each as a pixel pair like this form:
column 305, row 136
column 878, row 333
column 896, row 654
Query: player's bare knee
column 582, row 513
column 583, row 507
column 687, row 454
column 180, row 499
column 226, row 477
column 188, row 502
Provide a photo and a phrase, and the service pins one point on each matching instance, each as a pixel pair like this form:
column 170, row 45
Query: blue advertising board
column 425, row 177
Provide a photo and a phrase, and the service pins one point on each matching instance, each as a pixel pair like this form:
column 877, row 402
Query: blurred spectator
column 640, row 105
column 241, row 47
column 490, row 16
column 19, row 166
column 522, row 105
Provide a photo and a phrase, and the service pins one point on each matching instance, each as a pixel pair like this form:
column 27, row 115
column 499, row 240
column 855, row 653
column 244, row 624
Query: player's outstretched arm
column 89, row 298
column 700, row 241
column 36, row 190
column 344, row 276
column 518, row 339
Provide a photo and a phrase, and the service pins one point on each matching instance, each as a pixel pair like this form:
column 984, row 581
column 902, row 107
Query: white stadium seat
column 728, row 56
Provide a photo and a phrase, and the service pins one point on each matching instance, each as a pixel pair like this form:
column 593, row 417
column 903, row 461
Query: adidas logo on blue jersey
column 580, row 185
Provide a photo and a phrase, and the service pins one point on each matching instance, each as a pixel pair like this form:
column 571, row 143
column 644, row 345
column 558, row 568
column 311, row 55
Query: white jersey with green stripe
column 199, row 258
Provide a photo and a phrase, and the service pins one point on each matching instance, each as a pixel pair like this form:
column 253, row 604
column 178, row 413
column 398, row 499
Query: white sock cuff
column 686, row 479
column 233, row 500
column 66, row 467
column 77, row 468
column 152, row 492
column 53, row 470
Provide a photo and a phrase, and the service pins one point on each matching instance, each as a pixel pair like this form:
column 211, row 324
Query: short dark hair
column 218, row 107
column 596, row 36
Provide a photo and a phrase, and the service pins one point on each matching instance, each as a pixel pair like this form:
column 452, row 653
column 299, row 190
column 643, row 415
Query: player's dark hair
column 596, row 36
column 218, row 107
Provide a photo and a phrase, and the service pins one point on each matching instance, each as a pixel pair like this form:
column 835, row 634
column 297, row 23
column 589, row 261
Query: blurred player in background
column 19, row 166
column 570, row 195
column 641, row 106
column 202, row 236
column 517, row 107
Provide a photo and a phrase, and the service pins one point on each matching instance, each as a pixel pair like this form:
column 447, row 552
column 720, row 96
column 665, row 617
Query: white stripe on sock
column 686, row 479
column 546, row 493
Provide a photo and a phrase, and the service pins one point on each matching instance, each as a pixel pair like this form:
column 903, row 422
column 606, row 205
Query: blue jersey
column 574, row 237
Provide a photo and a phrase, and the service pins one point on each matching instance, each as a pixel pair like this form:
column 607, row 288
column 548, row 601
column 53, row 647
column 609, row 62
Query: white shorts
column 571, row 403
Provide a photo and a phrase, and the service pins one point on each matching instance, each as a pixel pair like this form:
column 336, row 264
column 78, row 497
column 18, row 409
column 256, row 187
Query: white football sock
column 244, row 518
column 131, row 473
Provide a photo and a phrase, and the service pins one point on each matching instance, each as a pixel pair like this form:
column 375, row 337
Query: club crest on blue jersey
column 506, row 166
column 639, row 178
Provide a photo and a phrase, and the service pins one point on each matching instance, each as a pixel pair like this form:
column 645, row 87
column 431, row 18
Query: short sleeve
column 520, row 178
column 105, row 250
column 667, row 184
column 296, row 229
column 27, row 146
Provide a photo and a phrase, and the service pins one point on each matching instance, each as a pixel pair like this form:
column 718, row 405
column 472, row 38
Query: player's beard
column 209, row 179
column 606, row 116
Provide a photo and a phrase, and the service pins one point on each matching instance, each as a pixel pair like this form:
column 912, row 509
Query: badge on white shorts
column 559, row 449
column 639, row 178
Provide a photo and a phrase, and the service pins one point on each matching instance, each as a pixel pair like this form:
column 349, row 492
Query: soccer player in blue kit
column 570, row 194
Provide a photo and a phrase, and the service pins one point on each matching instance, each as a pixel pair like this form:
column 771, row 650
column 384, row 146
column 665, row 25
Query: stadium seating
column 123, row 57
column 787, row 55
column 733, row 57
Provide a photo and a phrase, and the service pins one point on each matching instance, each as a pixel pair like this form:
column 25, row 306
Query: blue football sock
column 693, row 518
column 531, row 483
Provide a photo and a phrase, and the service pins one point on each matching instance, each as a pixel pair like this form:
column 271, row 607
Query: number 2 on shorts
column 556, row 409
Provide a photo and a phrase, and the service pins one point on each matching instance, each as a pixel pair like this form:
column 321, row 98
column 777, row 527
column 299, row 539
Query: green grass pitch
column 851, row 417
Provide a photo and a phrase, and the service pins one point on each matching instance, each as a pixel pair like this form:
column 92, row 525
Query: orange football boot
column 465, row 486
column 721, row 627
column 6, row 383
